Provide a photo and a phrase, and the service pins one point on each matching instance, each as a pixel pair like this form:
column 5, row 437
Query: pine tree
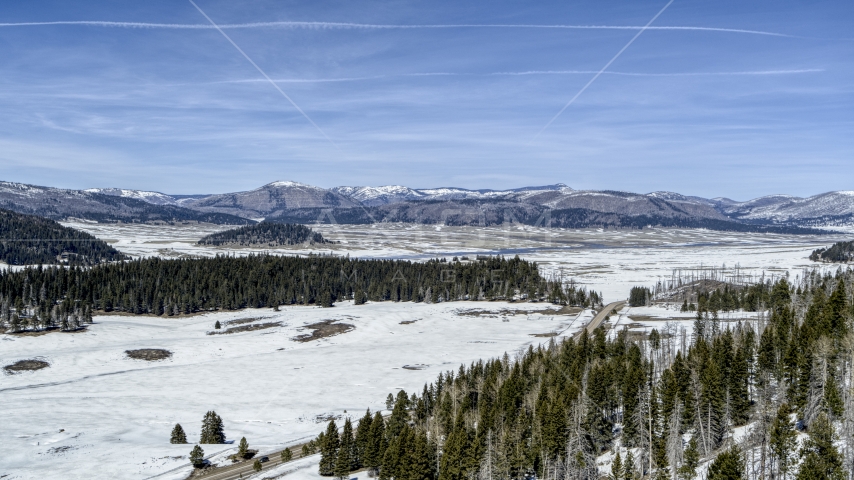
column 729, row 465
column 257, row 465
column 629, row 468
column 197, row 456
column 690, row 461
column 329, row 450
column 217, row 325
column 363, row 433
column 783, row 440
column 835, row 311
column 454, row 462
column 243, row 448
column 376, row 445
column 738, row 387
column 820, row 457
column 178, row 435
column 212, row 429
column 286, row 455
column 422, row 461
column 617, row 468
column 347, row 448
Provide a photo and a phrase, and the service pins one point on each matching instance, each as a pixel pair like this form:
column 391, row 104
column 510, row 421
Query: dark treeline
column 725, row 297
column 840, row 252
column 31, row 240
column 264, row 233
column 552, row 410
column 172, row 287
column 103, row 208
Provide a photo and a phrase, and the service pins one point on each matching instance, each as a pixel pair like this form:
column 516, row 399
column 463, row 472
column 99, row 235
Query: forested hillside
column 655, row 410
column 31, row 240
column 171, row 287
column 59, row 204
column 495, row 213
column 839, row 252
column 265, row 234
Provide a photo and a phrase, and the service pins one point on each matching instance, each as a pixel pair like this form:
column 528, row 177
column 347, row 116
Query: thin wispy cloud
column 378, row 26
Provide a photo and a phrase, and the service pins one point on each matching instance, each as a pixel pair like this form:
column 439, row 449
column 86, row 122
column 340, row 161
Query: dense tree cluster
column 31, row 240
column 726, row 297
column 551, row 411
column 44, row 296
column 267, row 234
column 387, row 448
column 639, row 297
column 839, row 252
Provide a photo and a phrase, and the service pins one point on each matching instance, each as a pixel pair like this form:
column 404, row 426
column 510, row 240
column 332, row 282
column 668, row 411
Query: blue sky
column 429, row 94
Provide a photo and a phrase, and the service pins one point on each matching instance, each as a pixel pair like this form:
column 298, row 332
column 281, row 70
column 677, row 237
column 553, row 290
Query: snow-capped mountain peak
column 287, row 183
column 155, row 198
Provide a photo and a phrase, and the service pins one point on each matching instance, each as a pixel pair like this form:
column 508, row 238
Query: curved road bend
column 600, row 317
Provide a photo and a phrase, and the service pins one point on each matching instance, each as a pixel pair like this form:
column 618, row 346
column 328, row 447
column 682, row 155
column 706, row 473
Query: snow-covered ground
column 96, row 412
column 116, row 414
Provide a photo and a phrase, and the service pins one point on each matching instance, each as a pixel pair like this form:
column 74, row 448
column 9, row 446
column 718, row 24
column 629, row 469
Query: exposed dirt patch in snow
column 243, row 321
column 149, row 354
column 247, row 328
column 545, row 335
column 26, row 366
column 415, row 367
column 478, row 312
column 61, row 449
column 326, row 328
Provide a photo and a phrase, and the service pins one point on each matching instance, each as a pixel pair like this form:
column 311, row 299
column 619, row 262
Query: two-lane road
column 600, row 317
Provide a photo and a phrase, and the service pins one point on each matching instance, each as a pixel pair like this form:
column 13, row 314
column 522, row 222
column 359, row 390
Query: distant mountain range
column 550, row 205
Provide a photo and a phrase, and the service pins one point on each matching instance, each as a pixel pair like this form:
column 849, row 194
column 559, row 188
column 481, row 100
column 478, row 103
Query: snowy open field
column 117, row 413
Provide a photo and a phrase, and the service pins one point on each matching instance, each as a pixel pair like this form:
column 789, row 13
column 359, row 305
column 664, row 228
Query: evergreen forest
column 722, row 401
column 43, row 297
column 265, row 234
column 839, row 252
column 32, row 240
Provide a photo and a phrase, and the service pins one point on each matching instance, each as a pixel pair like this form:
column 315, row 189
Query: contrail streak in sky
column 371, row 26
column 528, row 73
column 599, row 73
column 276, row 86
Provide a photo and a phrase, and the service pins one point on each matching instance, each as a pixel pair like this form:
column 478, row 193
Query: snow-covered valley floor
column 95, row 411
